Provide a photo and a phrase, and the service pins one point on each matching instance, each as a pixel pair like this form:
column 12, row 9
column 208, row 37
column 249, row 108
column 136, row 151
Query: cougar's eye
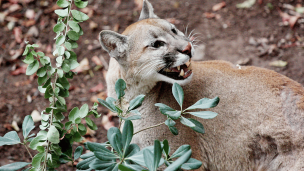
column 158, row 44
column 174, row 31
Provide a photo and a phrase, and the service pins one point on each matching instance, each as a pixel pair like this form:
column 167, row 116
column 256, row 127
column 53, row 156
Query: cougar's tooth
column 178, row 67
column 188, row 63
column 182, row 73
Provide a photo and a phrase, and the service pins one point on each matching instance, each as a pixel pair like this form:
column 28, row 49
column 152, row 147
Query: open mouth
column 178, row 73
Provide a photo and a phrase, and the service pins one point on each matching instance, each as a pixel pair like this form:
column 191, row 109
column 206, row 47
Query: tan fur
column 260, row 122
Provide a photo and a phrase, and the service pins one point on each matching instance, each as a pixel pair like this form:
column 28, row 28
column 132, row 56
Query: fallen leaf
column 288, row 18
column 219, row 6
column 20, row 70
column 14, row 8
column 93, row 25
column 33, row 31
column 96, row 60
column 15, row 126
column 8, row 126
column 117, row 3
column 90, row 132
column 210, row 15
column 116, row 27
column 36, row 116
column 102, row 95
column 139, row 4
column 3, row 15
column 15, row 54
column 88, row 11
column 246, row 4
column 278, row 63
column 11, row 25
column 30, row 14
column 106, row 123
column 83, row 66
column 97, row 88
column 29, row 23
column 18, row 34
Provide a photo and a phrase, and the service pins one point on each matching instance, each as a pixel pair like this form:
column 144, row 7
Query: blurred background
column 264, row 33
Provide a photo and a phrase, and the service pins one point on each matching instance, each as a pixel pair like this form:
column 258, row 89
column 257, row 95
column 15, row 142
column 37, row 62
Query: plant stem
column 149, row 127
column 28, row 150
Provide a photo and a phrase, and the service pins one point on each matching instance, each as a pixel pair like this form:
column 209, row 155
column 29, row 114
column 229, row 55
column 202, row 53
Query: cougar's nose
column 187, row 50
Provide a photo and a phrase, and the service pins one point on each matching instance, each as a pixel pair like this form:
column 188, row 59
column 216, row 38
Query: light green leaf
column 14, row 166
column 27, row 125
column 36, row 161
column 174, row 114
column 80, row 16
column 62, row 12
column 107, row 105
column 53, row 135
column 164, row 108
column 68, row 45
column 84, row 110
column 204, row 114
column 74, row 114
column 148, row 157
column 180, row 151
column 60, row 73
column 41, row 54
column 60, row 40
column 120, row 87
column 157, row 154
column 60, row 50
column 186, row 122
column 78, row 152
column 10, row 138
column 177, row 163
column 41, row 72
column 205, row 103
column 170, row 122
column 74, row 25
column 29, row 58
column 198, row 126
column 192, row 164
column 32, row 68
column 63, row 3
column 73, row 64
column 59, row 27
column 45, row 60
column 135, row 103
column 61, row 100
column 73, row 35
column 81, row 4
column 37, row 141
column 127, row 134
column 178, row 94
column 91, row 124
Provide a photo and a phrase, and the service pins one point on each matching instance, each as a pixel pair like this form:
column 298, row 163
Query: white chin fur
column 161, row 77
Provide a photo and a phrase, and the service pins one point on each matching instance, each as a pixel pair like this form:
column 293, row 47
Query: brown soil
column 231, row 44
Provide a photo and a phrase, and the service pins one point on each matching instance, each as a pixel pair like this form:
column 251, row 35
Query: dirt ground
column 255, row 36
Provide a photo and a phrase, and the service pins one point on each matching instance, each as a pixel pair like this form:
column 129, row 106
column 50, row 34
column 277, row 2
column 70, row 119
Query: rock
column 36, row 116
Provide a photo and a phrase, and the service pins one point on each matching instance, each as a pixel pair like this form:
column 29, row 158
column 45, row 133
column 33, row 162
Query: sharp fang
column 167, row 70
column 190, row 67
column 182, row 73
column 188, row 63
column 178, row 67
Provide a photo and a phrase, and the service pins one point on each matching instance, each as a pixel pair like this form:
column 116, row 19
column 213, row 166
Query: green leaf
column 73, row 64
column 26, row 50
column 198, row 126
column 246, row 4
column 29, row 58
column 91, row 124
column 157, row 154
column 78, row 152
column 192, row 164
column 134, row 117
column 204, row 114
column 60, row 40
column 27, row 125
column 148, row 157
column 173, row 130
column 187, row 122
column 131, row 150
column 64, row 82
column 53, row 135
column 164, row 108
column 37, row 141
column 60, row 73
column 124, row 168
column 74, row 114
column 59, row 27
column 135, row 103
column 74, row 25
column 32, row 68
column 120, row 87
column 62, row 12
column 67, row 125
column 102, row 165
column 84, row 110
column 205, row 103
column 14, row 166
column 82, row 129
column 115, row 141
column 65, row 67
column 73, row 43
column 166, row 147
column 107, row 105
column 178, row 94
column 41, row 54
column 177, row 163
column 41, row 72
column 63, row 3
column 10, row 138
column 127, row 134
column 180, row 151
column 73, row 35
column 45, row 60
column 80, row 16
column 81, row 4
column 77, row 120
column 36, row 161
column 61, row 100
column 68, row 45
column 174, row 114
column 169, row 122
column 77, row 137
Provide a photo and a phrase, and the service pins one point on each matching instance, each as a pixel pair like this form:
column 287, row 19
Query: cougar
column 260, row 122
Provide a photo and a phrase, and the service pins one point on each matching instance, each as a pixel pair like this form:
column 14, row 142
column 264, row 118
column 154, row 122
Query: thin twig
column 149, row 127
column 28, row 150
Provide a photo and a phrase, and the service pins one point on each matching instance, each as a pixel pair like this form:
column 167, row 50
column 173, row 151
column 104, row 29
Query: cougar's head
column 151, row 49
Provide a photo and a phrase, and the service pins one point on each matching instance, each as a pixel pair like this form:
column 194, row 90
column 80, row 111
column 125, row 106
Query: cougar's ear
column 147, row 11
column 115, row 44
